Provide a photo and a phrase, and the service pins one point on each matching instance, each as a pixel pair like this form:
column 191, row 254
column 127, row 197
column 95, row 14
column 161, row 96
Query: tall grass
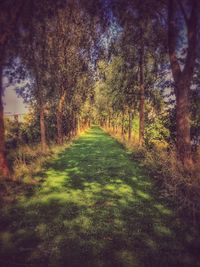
column 27, row 167
column 172, row 180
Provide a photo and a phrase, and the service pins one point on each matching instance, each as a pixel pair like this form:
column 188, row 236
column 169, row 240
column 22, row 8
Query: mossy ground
column 96, row 207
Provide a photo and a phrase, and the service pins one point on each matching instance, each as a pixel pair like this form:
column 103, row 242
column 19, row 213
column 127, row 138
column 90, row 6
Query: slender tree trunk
column 81, row 124
column 42, row 129
column 4, row 170
column 17, row 137
column 122, row 127
column 109, row 120
column 183, row 125
column 182, row 78
column 142, row 98
column 74, row 125
column 130, row 124
column 78, row 125
column 59, row 117
column 13, row 12
column 59, row 127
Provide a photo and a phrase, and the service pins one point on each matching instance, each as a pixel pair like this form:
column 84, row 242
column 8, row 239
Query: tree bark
column 130, row 124
column 4, row 170
column 183, row 125
column 109, row 120
column 7, row 28
column 142, row 97
column 59, row 127
column 78, row 125
column 122, row 127
column 74, row 124
column 182, row 78
column 17, row 137
column 59, row 116
column 42, row 129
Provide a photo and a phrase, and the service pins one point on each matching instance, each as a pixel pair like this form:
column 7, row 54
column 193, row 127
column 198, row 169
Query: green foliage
column 156, row 132
column 93, row 206
column 21, row 132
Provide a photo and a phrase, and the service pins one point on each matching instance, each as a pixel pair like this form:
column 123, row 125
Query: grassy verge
column 28, row 164
column 95, row 207
column 173, row 182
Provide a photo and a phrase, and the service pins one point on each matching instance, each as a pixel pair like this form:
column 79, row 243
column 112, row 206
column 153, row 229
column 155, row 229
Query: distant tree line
column 128, row 64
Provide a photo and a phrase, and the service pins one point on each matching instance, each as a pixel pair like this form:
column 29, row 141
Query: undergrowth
column 27, row 164
column 172, row 180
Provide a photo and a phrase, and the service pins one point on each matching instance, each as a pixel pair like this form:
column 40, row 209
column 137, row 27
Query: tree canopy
column 127, row 64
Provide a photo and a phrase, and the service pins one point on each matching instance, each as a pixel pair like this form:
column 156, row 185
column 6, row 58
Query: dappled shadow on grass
column 95, row 208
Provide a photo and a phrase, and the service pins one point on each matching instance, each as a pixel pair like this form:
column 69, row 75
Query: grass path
column 95, row 208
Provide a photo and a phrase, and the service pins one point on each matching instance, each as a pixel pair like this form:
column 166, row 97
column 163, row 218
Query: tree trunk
column 59, row 127
column 130, row 124
column 183, row 125
column 42, row 129
column 59, row 116
column 142, row 98
column 17, row 137
column 4, row 170
column 74, row 125
column 13, row 12
column 182, row 78
column 122, row 127
column 109, row 121
column 78, row 125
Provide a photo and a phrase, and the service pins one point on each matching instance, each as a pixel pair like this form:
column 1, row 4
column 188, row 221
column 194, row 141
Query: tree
column 183, row 78
column 139, row 20
column 37, row 63
column 9, row 14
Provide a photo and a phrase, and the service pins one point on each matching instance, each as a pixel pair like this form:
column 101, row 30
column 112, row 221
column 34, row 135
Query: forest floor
column 95, row 207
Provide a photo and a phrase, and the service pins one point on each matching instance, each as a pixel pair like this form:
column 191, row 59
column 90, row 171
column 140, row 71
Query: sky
column 12, row 103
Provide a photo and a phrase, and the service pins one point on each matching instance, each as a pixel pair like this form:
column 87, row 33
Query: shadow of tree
column 95, row 208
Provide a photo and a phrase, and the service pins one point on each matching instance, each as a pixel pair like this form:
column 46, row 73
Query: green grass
column 95, row 208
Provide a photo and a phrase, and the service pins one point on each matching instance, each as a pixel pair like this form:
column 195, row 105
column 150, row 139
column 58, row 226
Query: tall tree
column 142, row 92
column 183, row 77
column 38, row 52
column 33, row 53
column 9, row 14
column 139, row 19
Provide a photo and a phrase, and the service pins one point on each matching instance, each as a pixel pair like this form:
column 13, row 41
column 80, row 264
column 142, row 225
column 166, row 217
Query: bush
column 27, row 162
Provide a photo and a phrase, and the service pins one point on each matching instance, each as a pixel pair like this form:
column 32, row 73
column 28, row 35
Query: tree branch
column 183, row 12
column 172, row 35
column 13, row 17
column 192, row 41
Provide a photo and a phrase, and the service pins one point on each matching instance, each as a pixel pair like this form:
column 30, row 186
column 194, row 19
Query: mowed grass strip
column 95, row 208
